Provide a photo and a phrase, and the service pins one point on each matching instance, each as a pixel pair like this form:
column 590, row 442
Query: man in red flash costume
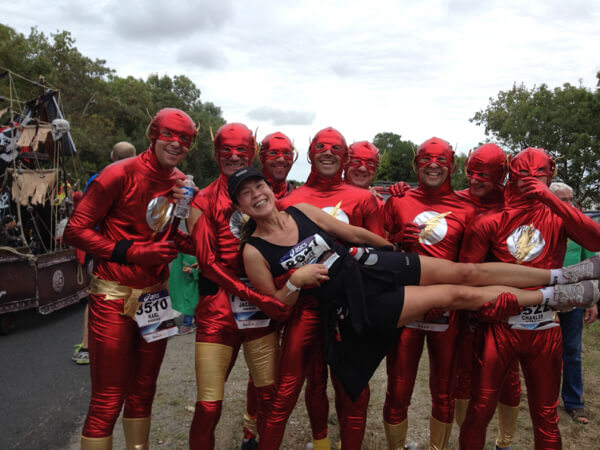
column 225, row 320
column 363, row 160
column 129, row 204
column 531, row 229
column 276, row 157
column 486, row 169
column 302, row 343
column 429, row 220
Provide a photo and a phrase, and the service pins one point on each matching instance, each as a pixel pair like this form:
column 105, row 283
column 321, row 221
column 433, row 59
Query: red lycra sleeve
column 216, row 271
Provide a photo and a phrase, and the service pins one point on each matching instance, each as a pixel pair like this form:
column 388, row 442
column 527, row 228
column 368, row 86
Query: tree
column 101, row 107
column 396, row 163
column 563, row 121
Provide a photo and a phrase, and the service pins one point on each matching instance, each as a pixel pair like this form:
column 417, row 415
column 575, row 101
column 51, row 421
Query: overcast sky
column 418, row 69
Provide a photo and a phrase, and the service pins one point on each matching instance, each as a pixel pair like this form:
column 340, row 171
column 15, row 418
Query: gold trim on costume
column 321, row 444
column 261, row 357
column 212, row 362
column 137, row 431
column 103, row 443
column 439, row 433
column 507, row 424
column 115, row 291
column 395, row 434
column 250, row 423
column 460, row 410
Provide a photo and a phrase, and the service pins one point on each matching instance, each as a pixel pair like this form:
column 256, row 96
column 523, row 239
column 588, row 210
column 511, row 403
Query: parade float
column 37, row 270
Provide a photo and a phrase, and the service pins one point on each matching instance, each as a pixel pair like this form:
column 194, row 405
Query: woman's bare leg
column 438, row 271
column 420, row 299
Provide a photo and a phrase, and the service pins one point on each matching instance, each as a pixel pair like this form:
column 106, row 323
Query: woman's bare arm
column 260, row 276
column 339, row 229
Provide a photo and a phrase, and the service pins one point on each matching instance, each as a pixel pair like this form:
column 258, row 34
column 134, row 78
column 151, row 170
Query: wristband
column 291, row 286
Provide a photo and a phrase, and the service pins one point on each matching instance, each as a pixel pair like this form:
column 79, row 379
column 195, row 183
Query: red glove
column 184, row 243
column 399, row 189
column 151, row 254
column 410, row 234
column 534, row 189
column 505, row 306
column 433, row 314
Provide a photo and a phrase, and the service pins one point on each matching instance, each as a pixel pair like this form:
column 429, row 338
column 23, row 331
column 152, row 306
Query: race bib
column 534, row 317
column 246, row 314
column 155, row 316
column 438, row 325
column 314, row 249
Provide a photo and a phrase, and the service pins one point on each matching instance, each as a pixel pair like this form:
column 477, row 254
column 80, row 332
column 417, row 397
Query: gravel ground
column 175, row 398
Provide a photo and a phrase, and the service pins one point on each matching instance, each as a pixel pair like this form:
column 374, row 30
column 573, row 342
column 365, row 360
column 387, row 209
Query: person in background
column 571, row 324
column 183, row 289
column 120, row 150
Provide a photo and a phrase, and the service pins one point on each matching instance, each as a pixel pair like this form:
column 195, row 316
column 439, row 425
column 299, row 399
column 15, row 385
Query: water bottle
column 364, row 256
column 182, row 208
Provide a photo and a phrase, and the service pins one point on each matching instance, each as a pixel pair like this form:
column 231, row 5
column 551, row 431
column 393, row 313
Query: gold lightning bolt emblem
column 524, row 243
column 430, row 225
column 335, row 210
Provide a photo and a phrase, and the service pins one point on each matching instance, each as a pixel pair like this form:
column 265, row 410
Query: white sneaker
column 585, row 270
column 584, row 294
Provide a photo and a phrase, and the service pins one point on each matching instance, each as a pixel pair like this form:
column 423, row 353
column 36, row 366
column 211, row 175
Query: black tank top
column 314, row 246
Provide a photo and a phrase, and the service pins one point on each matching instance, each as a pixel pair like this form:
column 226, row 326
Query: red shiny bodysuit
column 124, row 367
column 531, row 229
column 302, row 345
column 445, row 215
column 217, row 236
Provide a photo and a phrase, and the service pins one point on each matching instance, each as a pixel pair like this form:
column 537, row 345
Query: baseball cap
column 236, row 180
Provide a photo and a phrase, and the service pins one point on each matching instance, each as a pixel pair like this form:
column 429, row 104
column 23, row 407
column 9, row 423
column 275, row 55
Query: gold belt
column 115, row 291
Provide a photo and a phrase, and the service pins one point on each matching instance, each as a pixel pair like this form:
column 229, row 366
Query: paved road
column 43, row 394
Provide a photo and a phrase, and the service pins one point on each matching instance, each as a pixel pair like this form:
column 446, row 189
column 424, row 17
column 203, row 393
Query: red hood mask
column 438, row 151
column 360, row 154
column 170, row 124
column 274, row 146
column 327, row 139
column 531, row 162
column 487, row 159
column 234, row 139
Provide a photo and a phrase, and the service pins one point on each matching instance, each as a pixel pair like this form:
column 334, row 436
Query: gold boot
column 439, row 433
column 103, row 443
column 137, row 432
column 395, row 434
column 507, row 423
column 460, row 410
column 321, row 444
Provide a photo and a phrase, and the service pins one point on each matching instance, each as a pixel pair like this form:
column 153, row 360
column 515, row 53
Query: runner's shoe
column 80, row 356
column 185, row 329
column 584, row 294
column 587, row 269
column 249, row 444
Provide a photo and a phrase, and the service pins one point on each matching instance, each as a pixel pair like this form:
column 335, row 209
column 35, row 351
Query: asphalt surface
column 43, row 394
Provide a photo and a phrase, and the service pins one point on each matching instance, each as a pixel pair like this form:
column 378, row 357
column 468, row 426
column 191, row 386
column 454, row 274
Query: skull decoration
column 59, row 128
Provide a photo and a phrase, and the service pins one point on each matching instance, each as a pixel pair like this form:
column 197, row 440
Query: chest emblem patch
column 337, row 212
column 436, row 226
column 525, row 243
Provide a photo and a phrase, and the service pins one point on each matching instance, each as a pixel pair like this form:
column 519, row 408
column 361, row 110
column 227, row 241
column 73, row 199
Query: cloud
column 205, row 57
column 281, row 117
column 164, row 20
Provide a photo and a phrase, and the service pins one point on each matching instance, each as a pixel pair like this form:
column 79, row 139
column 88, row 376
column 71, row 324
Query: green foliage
column 396, row 163
column 101, row 107
column 564, row 121
column 459, row 177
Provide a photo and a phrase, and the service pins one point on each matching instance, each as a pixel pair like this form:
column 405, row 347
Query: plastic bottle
column 182, row 208
column 364, row 256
